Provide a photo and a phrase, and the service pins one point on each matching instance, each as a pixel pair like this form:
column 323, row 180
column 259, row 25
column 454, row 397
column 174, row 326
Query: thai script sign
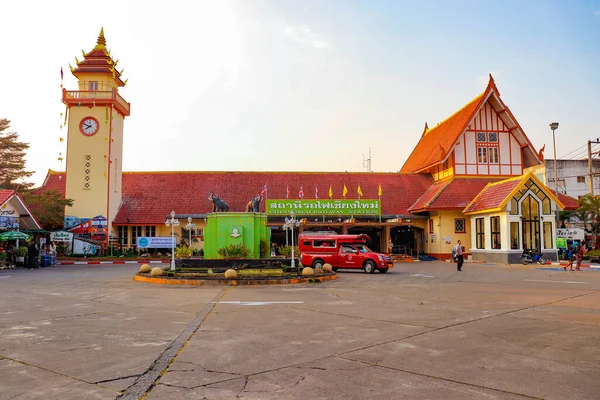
column 323, row 207
column 155, row 242
column 9, row 222
column 8, row 213
column 572, row 234
column 61, row 236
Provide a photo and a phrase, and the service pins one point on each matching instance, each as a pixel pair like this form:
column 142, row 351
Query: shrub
column 3, row 256
column 21, row 251
column 286, row 251
column 199, row 252
column 234, row 251
column 183, row 251
column 264, row 249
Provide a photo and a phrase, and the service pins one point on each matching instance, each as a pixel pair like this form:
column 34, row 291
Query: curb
column 112, row 262
column 229, row 282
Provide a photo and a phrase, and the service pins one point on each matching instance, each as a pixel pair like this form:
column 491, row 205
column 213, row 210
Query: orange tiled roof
column 452, row 194
column 493, row 195
column 436, row 143
column 570, row 203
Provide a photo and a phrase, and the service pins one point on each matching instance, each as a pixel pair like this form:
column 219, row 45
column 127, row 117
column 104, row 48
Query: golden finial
column 76, row 60
column 121, row 71
column 101, row 41
column 83, row 52
column 70, row 67
column 125, row 82
column 116, row 62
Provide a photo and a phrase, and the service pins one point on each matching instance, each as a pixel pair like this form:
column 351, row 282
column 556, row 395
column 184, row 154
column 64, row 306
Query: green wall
column 251, row 228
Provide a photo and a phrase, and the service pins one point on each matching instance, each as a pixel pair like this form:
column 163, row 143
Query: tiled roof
column 454, row 194
column 493, row 195
column 437, row 142
column 5, row 195
column 569, row 202
column 98, row 61
column 149, row 196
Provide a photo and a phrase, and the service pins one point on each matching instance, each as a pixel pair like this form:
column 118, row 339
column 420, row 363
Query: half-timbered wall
column 487, row 148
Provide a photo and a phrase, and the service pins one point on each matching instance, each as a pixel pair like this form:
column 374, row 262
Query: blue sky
column 302, row 85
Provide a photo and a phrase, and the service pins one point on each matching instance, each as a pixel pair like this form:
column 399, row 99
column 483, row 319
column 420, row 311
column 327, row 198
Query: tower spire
column 101, row 40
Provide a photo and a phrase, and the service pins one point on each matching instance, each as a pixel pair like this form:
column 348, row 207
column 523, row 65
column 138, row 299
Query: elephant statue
column 218, row 204
column 254, row 204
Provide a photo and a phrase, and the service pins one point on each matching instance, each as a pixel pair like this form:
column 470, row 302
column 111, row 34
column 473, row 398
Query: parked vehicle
column 531, row 256
column 342, row 252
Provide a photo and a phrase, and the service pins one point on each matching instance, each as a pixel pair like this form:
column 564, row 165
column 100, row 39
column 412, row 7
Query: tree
column 48, row 207
column 12, row 159
column 591, row 205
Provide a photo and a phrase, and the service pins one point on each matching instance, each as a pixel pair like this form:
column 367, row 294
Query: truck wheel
column 369, row 267
column 383, row 270
column 317, row 264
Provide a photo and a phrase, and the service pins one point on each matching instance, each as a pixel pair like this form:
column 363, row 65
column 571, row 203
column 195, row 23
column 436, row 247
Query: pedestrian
column 459, row 256
column 32, row 255
column 273, row 249
column 569, row 259
column 580, row 252
column 53, row 253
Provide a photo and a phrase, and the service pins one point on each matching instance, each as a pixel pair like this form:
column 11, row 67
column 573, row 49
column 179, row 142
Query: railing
column 96, row 94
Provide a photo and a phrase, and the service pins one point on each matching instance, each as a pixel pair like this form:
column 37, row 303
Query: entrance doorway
column 407, row 240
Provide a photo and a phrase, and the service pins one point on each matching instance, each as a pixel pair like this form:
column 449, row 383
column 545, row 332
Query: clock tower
column 96, row 112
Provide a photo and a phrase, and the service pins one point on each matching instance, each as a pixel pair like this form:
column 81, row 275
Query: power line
column 571, row 152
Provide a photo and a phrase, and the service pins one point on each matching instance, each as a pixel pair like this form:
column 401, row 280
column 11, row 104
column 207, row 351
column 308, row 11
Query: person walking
column 53, row 253
column 569, row 259
column 580, row 252
column 459, row 256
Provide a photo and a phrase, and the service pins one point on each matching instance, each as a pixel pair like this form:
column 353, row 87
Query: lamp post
column 289, row 223
column 554, row 126
column 172, row 223
column 189, row 228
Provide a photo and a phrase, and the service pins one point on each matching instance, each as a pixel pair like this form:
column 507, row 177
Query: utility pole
column 590, row 171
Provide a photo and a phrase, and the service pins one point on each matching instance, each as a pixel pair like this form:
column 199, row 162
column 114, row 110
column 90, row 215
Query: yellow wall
column 443, row 226
column 165, row 231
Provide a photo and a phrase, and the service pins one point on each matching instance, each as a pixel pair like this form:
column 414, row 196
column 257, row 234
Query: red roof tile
column 5, row 195
column 569, row 202
column 454, row 194
column 492, row 196
column 149, row 196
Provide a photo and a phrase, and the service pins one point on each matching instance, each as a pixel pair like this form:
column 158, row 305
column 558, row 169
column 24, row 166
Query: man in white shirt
column 459, row 256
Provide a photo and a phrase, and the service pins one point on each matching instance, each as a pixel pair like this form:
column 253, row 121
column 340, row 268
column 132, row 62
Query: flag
column 330, row 192
column 287, row 191
column 61, row 73
column 316, row 192
column 344, row 191
column 264, row 190
column 379, row 192
column 359, row 191
column 301, row 192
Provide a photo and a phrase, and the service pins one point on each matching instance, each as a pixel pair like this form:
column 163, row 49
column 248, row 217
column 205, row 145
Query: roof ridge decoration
column 425, row 130
column 98, row 60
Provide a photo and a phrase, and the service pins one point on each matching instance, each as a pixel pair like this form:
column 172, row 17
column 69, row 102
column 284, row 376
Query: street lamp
column 289, row 223
column 172, row 223
column 554, row 126
column 189, row 228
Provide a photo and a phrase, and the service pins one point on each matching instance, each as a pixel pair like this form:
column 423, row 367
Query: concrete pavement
column 422, row 331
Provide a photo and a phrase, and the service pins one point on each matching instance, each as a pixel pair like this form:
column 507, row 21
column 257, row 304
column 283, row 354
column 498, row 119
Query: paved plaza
column 422, row 331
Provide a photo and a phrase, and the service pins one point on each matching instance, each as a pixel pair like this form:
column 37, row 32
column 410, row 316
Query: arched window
column 530, row 214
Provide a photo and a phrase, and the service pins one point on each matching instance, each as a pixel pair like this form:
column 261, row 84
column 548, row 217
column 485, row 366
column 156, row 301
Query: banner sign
column 155, row 242
column 571, row 234
column 323, row 207
column 561, row 243
column 61, row 236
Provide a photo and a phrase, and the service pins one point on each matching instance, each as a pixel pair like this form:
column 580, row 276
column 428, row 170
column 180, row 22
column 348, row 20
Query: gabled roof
column 451, row 194
column 26, row 216
column 149, row 196
column 495, row 196
column 437, row 143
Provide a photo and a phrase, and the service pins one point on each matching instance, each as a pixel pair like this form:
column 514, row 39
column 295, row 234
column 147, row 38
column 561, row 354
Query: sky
column 282, row 85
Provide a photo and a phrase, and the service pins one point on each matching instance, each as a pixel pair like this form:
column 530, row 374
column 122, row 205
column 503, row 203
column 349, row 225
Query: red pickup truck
column 342, row 252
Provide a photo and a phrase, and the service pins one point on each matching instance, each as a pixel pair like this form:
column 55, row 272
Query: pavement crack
column 377, row 365
column 55, row 372
column 246, row 378
column 205, row 369
column 53, row 319
column 117, row 379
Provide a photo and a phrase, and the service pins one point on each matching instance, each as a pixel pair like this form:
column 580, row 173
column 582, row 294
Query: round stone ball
column 230, row 274
column 307, row 271
column 156, row 271
column 145, row 268
column 327, row 268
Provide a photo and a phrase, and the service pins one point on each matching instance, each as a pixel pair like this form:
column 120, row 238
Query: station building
column 464, row 180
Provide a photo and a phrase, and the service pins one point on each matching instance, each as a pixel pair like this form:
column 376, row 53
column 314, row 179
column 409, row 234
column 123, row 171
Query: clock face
column 89, row 126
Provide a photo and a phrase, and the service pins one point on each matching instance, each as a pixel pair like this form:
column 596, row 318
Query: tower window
column 493, row 152
column 482, row 155
column 93, row 85
column 87, row 171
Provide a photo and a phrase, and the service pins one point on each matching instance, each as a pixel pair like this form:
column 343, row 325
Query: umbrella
column 14, row 235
